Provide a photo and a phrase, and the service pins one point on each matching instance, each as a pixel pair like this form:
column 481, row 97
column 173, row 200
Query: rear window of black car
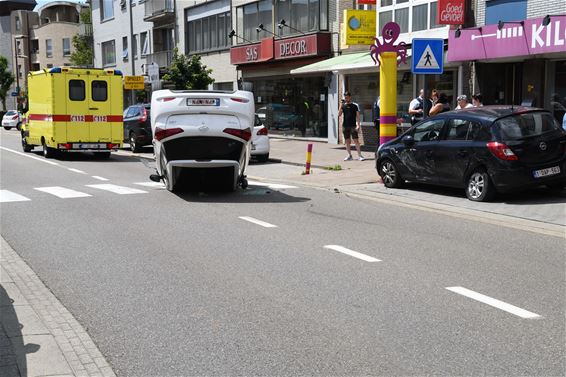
column 521, row 126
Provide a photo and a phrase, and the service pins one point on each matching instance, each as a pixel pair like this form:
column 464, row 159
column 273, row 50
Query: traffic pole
column 309, row 157
column 388, row 92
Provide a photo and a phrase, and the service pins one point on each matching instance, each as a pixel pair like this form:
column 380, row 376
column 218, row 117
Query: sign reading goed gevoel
column 450, row 12
column 360, row 26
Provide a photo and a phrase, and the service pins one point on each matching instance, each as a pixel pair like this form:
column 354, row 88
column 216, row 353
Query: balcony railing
column 161, row 58
column 85, row 29
column 156, row 9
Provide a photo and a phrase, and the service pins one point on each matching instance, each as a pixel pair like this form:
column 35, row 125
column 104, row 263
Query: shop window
column 505, row 10
column 99, row 90
column 76, row 90
column 108, row 53
column 66, row 47
column 208, row 33
column 402, row 18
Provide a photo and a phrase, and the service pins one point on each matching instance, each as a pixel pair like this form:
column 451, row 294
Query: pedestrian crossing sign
column 428, row 56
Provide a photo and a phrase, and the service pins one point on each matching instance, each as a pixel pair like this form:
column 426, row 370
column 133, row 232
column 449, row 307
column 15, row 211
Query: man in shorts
column 350, row 113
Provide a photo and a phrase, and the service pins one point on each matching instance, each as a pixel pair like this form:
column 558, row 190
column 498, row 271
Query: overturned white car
column 200, row 135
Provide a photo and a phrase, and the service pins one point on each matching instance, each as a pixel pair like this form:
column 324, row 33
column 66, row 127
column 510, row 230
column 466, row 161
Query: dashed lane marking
column 9, row 196
column 150, row 184
column 258, row 222
column 494, row 302
column 352, row 253
column 31, row 156
column 62, row 192
column 76, row 170
column 117, row 189
column 100, row 178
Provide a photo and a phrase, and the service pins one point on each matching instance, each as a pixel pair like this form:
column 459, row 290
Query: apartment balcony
column 159, row 11
column 85, row 29
column 161, row 58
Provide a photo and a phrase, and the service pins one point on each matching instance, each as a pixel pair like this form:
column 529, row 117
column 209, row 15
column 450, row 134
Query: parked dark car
column 137, row 126
column 484, row 150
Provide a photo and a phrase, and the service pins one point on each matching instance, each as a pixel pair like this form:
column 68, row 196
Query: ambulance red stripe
column 75, row 118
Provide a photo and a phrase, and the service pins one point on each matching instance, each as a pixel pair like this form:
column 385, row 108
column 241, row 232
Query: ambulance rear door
column 99, row 108
column 77, row 107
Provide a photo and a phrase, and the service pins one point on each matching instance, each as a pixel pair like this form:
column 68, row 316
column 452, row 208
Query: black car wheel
column 7, row 128
column 390, row 174
column 479, row 187
column 263, row 157
column 48, row 152
column 134, row 146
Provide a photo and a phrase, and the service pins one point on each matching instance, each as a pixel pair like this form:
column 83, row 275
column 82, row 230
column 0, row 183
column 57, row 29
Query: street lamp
column 260, row 28
column 232, row 34
column 283, row 24
column 546, row 19
column 501, row 24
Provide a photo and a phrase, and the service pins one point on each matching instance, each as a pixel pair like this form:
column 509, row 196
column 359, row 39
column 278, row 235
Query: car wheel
column 25, row 146
column 134, row 146
column 390, row 174
column 263, row 157
column 7, row 128
column 19, row 127
column 166, row 178
column 48, row 152
column 479, row 187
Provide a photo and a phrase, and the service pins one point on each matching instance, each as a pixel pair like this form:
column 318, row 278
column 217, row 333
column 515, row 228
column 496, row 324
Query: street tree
column 6, row 80
column 82, row 54
column 188, row 72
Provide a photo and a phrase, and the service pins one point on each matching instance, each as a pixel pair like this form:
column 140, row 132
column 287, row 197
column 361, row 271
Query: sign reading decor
column 281, row 49
column 528, row 37
column 450, row 12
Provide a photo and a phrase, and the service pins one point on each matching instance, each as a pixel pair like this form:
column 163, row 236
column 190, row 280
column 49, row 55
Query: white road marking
column 258, row 222
column 62, row 192
column 100, row 178
column 271, row 185
column 117, row 189
column 9, row 196
column 150, row 184
column 352, row 253
column 76, row 170
column 494, row 302
column 31, row 156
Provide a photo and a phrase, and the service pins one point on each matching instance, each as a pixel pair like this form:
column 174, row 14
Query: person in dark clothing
column 350, row 113
column 441, row 103
column 375, row 114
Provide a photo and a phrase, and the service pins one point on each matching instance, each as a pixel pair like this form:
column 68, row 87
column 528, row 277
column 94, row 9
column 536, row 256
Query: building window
column 48, row 48
column 413, row 17
column 505, row 10
column 208, row 33
column 108, row 53
column 144, row 43
column 433, row 24
column 420, row 17
column 125, row 49
column 385, row 17
column 66, row 47
column 35, row 66
column 18, row 23
column 135, row 47
column 106, row 9
column 76, row 90
column 34, row 46
column 402, row 18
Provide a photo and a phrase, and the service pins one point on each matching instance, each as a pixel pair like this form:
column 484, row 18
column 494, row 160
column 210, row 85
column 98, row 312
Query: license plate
column 203, row 101
column 546, row 172
column 88, row 146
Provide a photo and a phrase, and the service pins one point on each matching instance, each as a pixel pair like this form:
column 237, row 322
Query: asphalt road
column 194, row 284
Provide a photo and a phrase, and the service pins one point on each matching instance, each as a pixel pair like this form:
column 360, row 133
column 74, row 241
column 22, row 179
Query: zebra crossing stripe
column 121, row 190
column 150, row 184
column 9, row 196
column 62, row 192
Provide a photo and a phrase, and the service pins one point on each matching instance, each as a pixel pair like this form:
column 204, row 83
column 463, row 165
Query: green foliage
column 334, row 167
column 6, row 80
column 85, row 17
column 188, row 73
column 82, row 55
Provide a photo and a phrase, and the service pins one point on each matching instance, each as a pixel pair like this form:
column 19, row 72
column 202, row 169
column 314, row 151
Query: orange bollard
column 309, row 157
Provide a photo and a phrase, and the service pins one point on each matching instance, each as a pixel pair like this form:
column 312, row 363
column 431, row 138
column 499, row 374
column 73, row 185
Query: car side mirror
column 408, row 140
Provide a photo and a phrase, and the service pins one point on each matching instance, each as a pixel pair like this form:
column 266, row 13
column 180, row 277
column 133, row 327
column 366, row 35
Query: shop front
column 519, row 62
column 286, row 104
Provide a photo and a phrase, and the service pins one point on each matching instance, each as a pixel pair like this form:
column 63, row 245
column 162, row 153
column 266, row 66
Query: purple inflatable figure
column 390, row 33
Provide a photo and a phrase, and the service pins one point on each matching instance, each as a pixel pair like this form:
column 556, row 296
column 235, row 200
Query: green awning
column 358, row 60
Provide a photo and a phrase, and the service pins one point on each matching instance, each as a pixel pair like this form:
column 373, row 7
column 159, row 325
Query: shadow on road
column 12, row 349
column 253, row 194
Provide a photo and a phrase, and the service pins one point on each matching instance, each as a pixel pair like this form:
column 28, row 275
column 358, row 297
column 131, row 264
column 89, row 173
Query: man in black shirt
column 350, row 113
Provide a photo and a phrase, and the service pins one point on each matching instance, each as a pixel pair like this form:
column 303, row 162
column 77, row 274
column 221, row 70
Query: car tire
column 7, row 128
column 263, row 157
column 134, row 146
column 166, row 178
column 25, row 146
column 390, row 174
column 479, row 187
column 19, row 126
column 48, row 152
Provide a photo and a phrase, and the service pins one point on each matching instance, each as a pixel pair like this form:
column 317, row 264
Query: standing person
column 375, row 111
column 463, row 102
column 350, row 113
column 477, row 100
column 441, row 105
column 416, row 108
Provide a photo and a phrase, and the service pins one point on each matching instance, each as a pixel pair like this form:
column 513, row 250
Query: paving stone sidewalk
column 39, row 337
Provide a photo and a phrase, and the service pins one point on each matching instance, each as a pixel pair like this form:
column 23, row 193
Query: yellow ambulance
column 74, row 110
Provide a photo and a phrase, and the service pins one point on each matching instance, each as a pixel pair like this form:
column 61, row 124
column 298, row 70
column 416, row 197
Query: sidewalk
column 38, row 336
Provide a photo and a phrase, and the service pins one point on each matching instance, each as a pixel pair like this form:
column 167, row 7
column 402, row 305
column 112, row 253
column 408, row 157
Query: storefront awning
column 344, row 62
